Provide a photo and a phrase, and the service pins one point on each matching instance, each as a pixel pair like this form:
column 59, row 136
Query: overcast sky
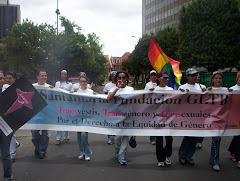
column 118, row 23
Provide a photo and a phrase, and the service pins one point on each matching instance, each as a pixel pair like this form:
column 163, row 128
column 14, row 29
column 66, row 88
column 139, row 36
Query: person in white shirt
column 41, row 141
column 121, row 142
column 83, row 144
column 11, row 77
column 216, row 84
column 77, row 85
column 151, row 86
column 187, row 148
column 234, row 147
column 65, row 85
column 163, row 153
column 106, row 90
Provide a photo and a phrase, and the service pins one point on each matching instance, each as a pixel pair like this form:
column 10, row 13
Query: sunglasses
column 121, row 77
column 164, row 78
column 193, row 75
column 84, row 81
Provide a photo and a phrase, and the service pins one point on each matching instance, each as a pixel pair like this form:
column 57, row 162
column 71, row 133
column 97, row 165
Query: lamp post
column 58, row 13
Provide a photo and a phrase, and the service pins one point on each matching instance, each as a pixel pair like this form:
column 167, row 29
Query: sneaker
column 199, row 145
column 87, row 158
column 65, row 140
column 168, row 161
column 216, row 168
column 161, row 164
column 41, row 155
column 122, row 162
column 238, row 164
column 233, row 157
column 80, row 157
column 110, row 142
column 190, row 162
column 182, row 161
column 153, row 142
column 58, row 142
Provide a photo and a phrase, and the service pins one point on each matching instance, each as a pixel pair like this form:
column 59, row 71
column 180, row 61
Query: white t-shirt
column 109, row 86
column 85, row 91
column 5, row 86
column 163, row 88
column 150, row 85
column 64, row 85
column 236, row 87
column 44, row 85
column 126, row 89
column 190, row 86
column 219, row 88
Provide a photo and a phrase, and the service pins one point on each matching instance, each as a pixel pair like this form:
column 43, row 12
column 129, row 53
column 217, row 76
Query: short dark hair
column 124, row 72
column 13, row 74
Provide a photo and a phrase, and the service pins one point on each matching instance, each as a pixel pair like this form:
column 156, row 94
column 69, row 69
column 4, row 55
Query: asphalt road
column 61, row 163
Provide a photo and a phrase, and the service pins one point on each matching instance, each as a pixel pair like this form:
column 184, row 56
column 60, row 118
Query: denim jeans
column 121, row 143
column 161, row 151
column 111, row 137
column 59, row 135
column 214, row 156
column 234, row 147
column 187, row 148
column 5, row 151
column 83, row 144
column 40, row 141
column 13, row 146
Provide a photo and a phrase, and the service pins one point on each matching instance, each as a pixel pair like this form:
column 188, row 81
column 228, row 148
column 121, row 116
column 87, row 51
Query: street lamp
column 58, row 13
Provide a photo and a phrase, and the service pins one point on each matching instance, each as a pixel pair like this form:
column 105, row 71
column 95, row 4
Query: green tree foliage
column 209, row 33
column 29, row 47
column 138, row 63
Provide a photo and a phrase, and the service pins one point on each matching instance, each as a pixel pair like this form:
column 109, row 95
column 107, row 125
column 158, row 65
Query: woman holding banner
column 234, row 147
column 121, row 142
column 163, row 153
column 65, row 85
column 83, row 136
column 216, row 83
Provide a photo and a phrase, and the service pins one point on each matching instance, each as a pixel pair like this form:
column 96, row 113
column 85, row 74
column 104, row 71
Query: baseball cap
column 113, row 73
column 191, row 71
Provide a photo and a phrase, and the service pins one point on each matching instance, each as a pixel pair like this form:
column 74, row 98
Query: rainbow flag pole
column 161, row 62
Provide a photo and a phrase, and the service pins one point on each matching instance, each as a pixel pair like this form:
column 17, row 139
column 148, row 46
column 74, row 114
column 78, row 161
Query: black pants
column 163, row 152
column 234, row 147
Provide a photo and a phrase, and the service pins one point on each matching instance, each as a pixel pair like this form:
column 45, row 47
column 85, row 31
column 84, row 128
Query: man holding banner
column 5, row 144
column 40, row 141
column 187, row 149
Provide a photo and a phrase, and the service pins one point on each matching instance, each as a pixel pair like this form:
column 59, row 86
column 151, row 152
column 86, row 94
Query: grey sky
column 114, row 21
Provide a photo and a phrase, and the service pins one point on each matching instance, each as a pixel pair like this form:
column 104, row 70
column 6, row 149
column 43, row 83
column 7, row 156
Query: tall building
column 159, row 14
column 9, row 14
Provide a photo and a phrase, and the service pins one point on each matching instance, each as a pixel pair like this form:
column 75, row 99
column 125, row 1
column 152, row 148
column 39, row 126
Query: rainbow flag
column 161, row 62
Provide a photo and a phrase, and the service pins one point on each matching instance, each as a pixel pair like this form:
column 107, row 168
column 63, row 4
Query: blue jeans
column 187, row 148
column 13, row 145
column 40, row 141
column 5, row 151
column 214, row 156
column 83, row 144
column 59, row 135
column 121, row 143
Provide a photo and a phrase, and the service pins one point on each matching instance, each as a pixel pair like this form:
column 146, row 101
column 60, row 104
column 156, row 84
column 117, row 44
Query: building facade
column 159, row 14
column 9, row 14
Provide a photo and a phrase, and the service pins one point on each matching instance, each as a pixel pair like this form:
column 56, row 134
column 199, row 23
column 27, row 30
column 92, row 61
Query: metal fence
column 229, row 78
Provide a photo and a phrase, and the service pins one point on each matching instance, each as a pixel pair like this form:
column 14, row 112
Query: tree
column 209, row 32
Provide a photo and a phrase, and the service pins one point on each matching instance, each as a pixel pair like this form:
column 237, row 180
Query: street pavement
column 61, row 162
